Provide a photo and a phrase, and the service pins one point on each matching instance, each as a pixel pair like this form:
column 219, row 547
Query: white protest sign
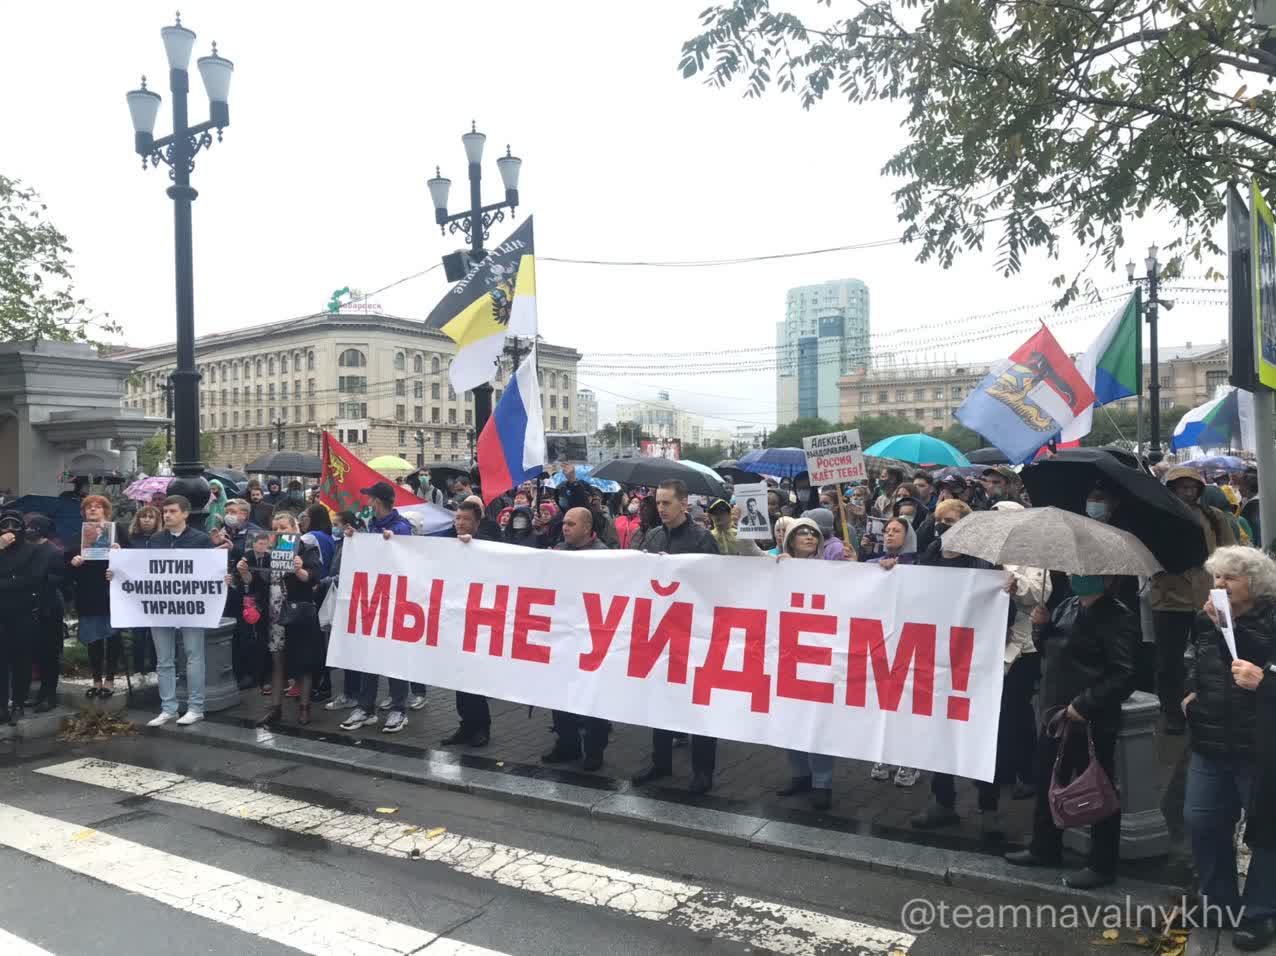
column 1224, row 607
column 831, row 657
column 755, row 522
column 835, row 458
column 96, row 538
column 168, row 587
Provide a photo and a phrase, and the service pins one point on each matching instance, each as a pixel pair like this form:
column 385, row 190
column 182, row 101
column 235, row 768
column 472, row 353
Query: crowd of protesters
column 1076, row 646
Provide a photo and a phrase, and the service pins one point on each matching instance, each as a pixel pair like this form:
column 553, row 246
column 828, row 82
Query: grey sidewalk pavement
column 867, row 826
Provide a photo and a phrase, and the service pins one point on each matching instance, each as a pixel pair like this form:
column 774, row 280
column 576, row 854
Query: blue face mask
column 1098, row 510
column 1086, row 585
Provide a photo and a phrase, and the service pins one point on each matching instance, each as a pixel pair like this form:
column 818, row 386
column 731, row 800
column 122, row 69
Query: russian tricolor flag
column 511, row 448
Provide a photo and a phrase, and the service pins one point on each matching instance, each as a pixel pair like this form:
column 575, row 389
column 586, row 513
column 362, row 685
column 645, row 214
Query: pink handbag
column 1090, row 796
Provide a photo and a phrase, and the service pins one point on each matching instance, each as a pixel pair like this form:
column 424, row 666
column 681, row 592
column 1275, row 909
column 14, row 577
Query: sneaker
column 359, row 718
column 163, row 718
column 320, row 696
column 385, row 704
column 906, row 776
column 341, row 702
column 395, row 722
column 880, row 772
column 416, row 701
column 190, row 717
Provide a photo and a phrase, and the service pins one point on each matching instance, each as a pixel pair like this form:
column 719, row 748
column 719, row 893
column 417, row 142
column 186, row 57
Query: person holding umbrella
column 1175, row 598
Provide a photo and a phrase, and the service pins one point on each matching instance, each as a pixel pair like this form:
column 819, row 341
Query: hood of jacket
column 805, row 522
column 823, row 520
column 1184, row 471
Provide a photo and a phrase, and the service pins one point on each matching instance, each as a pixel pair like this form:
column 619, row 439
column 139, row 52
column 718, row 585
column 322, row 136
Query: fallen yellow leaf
column 436, row 832
column 1111, row 934
column 387, row 809
column 408, row 831
column 83, row 834
column 1176, row 951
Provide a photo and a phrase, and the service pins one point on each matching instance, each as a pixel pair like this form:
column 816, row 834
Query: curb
column 618, row 802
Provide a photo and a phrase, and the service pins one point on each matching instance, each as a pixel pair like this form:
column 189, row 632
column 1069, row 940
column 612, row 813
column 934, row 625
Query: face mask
column 1098, row 510
column 633, row 508
column 940, row 528
column 1086, row 585
column 232, row 521
column 520, row 524
column 33, row 535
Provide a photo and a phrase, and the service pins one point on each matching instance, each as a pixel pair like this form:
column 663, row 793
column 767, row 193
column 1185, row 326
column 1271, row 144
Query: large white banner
column 900, row 666
column 168, row 587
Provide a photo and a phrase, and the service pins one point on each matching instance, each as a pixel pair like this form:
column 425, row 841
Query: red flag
column 1043, row 354
column 343, row 477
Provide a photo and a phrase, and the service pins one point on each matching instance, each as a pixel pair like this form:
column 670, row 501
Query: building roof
column 1176, row 353
column 319, row 322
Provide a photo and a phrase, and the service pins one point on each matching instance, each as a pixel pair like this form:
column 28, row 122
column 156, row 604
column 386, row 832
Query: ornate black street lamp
column 475, row 224
column 1148, row 307
column 177, row 151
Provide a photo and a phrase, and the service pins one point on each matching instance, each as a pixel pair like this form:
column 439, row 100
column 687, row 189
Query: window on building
column 201, row 422
column 258, row 442
column 553, row 401
column 451, row 416
column 222, row 442
column 939, row 394
column 919, row 413
column 469, row 417
column 400, row 413
column 434, row 414
column 270, row 391
column 540, row 377
column 313, row 443
column 883, row 397
column 270, row 365
column 919, row 394
column 296, row 387
column 234, row 441
column 223, row 401
column 418, row 390
column 310, row 388
column 283, row 365
column 283, row 390
column 1214, row 379
column 456, row 439
column 259, row 368
column 400, row 363
column 418, row 366
column 296, row 413
column 400, row 388
column 403, row 437
column 434, row 364
column 352, row 384
column 956, row 391
column 310, row 361
column 564, row 403
column 212, row 376
column 566, row 425
column 901, row 394
column 469, row 396
column 283, row 412
column 936, row 413
column 259, row 416
column 310, row 413
column 352, row 358
column 553, row 421
column 418, row 413
column 223, row 419
column 234, row 372
column 235, row 419
column 451, row 393
column 420, row 456
column 435, row 391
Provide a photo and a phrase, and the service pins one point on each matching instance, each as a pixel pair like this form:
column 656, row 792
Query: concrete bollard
column 221, row 690
column 1143, row 830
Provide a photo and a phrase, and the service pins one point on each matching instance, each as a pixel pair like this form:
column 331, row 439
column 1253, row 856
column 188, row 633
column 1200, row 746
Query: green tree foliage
column 960, row 437
column 873, row 428
column 791, row 435
column 37, row 301
column 152, row 451
column 704, row 454
column 1040, row 118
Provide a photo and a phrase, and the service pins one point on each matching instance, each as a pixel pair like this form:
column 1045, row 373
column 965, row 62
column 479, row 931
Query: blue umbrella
column 1218, row 463
column 584, row 473
column 919, row 449
column 777, row 462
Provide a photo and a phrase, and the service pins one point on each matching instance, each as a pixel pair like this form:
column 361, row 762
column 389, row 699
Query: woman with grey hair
column 1222, row 713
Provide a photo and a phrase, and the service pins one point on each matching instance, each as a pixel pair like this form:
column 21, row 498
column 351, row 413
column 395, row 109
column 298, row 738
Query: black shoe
column 460, row 737
column 1254, row 934
column 44, row 706
column 4, row 715
column 651, row 775
column 480, row 738
column 1088, row 879
column 16, row 714
column 560, row 755
column 1023, row 791
column 592, row 763
column 796, row 785
column 318, row 696
column 1028, row 858
column 935, row 816
column 821, row 798
column 701, row 783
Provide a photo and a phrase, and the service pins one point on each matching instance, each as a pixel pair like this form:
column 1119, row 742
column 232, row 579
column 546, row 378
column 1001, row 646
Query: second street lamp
column 475, row 223
column 1149, row 308
column 177, row 151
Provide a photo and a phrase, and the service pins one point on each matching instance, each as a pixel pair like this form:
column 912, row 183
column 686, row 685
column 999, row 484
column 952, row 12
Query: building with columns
column 378, row 382
column 60, row 412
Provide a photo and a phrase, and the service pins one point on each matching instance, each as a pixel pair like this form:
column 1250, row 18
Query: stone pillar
column 128, row 459
column 221, row 691
column 1143, row 830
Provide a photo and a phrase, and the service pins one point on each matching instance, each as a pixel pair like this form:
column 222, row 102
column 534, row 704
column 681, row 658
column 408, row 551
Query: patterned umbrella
column 777, row 462
column 144, row 489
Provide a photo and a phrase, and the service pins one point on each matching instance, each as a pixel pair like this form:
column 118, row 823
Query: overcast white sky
column 340, row 112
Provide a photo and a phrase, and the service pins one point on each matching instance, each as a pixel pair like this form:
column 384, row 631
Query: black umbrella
column 1149, row 510
column 231, row 479
column 652, row 471
column 286, row 463
column 987, row 456
column 729, row 468
column 443, row 471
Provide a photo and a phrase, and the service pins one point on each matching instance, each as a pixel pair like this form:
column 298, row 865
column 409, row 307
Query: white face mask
column 232, row 520
column 519, row 524
column 633, row 508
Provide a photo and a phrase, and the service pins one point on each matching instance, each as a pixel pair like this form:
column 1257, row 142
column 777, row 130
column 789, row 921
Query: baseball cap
column 382, row 491
column 719, row 504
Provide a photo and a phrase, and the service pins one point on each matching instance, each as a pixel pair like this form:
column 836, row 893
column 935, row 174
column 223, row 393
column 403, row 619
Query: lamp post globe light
column 475, row 223
column 177, row 151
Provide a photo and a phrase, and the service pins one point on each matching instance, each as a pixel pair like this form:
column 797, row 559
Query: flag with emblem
column 496, row 298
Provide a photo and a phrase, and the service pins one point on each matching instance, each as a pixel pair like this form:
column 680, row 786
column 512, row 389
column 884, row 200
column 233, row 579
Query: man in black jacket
column 678, row 534
column 49, row 627
column 23, row 568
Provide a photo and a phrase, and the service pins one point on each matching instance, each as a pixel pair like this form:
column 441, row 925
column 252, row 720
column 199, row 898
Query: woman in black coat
column 286, row 602
column 1087, row 645
column 1222, row 708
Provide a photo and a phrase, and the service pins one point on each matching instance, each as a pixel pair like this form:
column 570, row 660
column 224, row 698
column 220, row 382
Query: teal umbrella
column 919, row 449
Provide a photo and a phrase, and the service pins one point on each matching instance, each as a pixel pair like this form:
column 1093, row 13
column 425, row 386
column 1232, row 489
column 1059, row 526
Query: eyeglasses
column 804, row 531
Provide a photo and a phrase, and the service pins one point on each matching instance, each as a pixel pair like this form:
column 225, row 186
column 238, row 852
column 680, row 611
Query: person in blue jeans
column 1221, row 708
column 176, row 533
column 387, row 522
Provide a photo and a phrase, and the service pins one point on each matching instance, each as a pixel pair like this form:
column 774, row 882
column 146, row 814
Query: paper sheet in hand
column 1224, row 607
column 755, row 522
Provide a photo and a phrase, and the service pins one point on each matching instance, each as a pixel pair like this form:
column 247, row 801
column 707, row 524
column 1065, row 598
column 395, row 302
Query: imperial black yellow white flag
column 496, row 298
